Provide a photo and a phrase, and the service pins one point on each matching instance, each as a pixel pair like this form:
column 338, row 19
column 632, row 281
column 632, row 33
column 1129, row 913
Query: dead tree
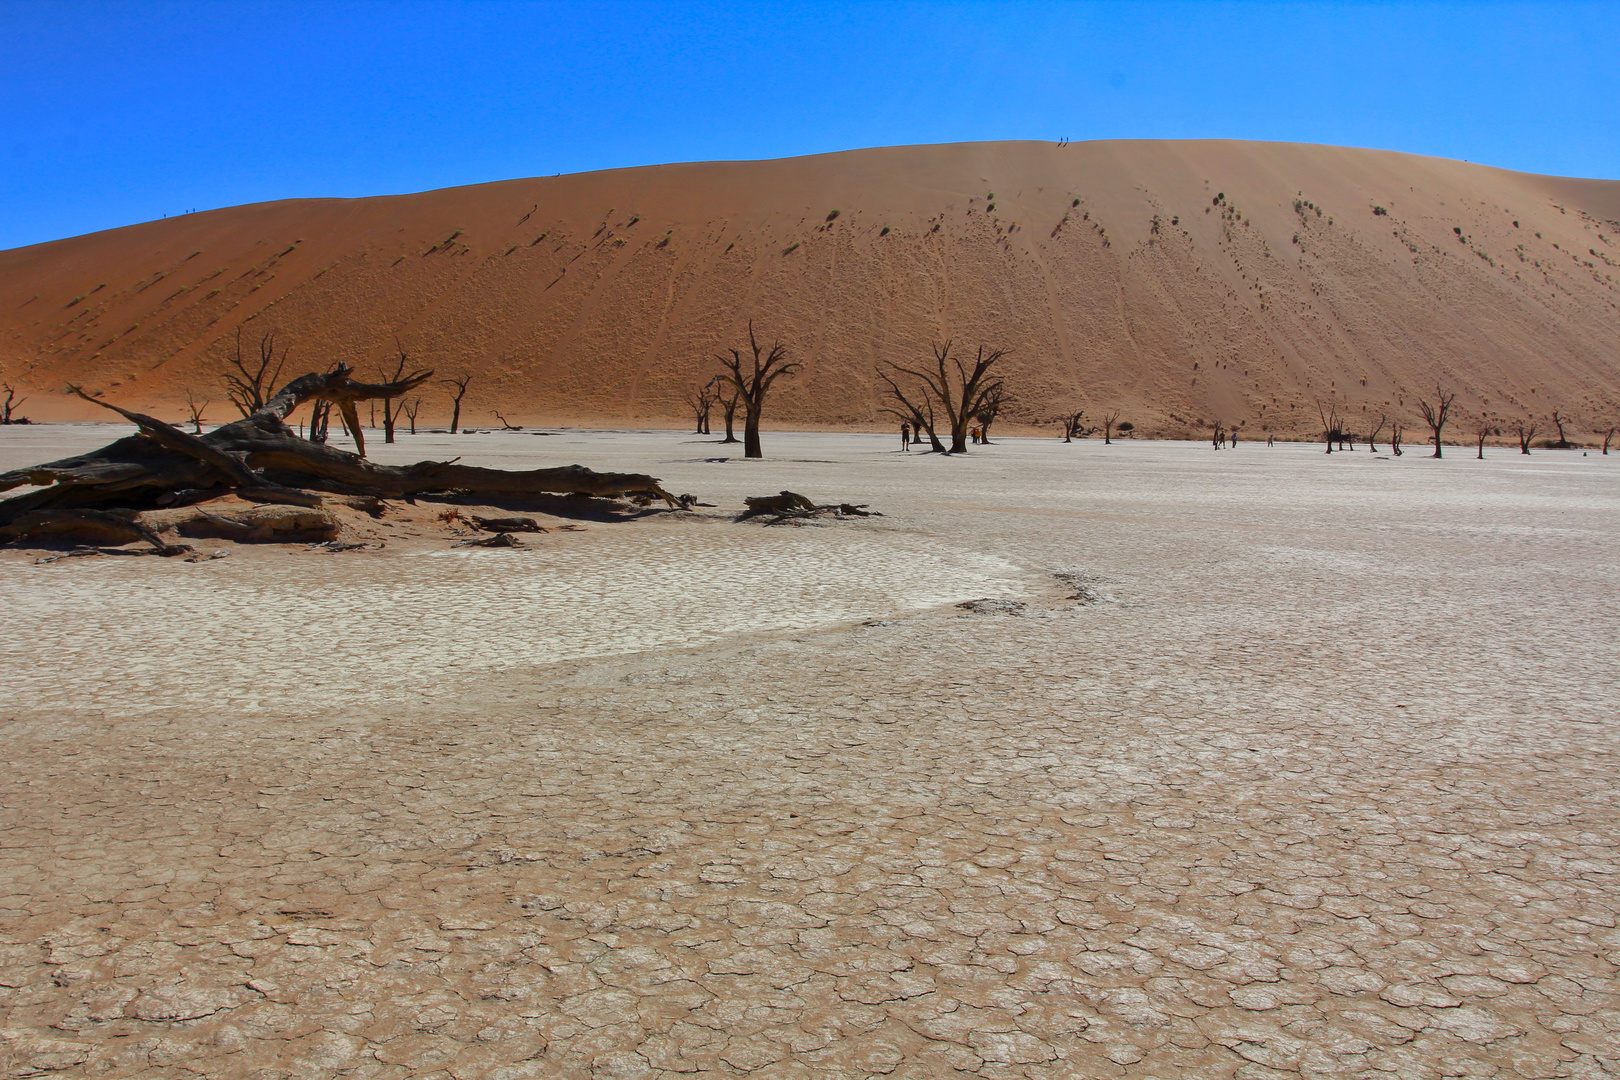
column 958, row 391
column 754, row 382
column 505, row 426
column 994, row 402
column 1559, row 421
column 1525, row 430
column 248, row 385
column 1372, row 438
column 320, row 420
column 459, row 382
column 1110, row 418
column 1329, row 412
column 915, row 408
column 196, row 411
column 1073, row 426
column 8, row 407
column 410, row 410
column 261, row 459
column 727, row 397
column 701, row 401
column 1435, row 415
column 1484, row 428
column 390, row 410
column 1218, row 438
column 1608, row 436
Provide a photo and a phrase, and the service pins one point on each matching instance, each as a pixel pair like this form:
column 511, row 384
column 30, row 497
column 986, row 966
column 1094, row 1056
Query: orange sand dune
column 1183, row 282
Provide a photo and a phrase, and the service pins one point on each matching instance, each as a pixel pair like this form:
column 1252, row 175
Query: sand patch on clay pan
column 373, row 632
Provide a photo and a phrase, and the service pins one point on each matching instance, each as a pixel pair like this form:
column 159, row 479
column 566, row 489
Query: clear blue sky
column 113, row 113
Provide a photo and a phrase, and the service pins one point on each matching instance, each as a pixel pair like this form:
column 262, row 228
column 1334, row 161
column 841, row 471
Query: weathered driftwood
column 264, row 460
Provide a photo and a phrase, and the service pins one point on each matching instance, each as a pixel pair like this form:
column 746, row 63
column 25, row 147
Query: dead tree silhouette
column 1331, row 424
column 1372, row 437
column 727, row 397
column 8, row 407
column 195, row 411
column 1072, row 426
column 915, row 408
column 960, row 392
column 1559, row 421
column 247, row 384
column 1435, row 415
column 1526, row 430
column 701, row 401
column 390, row 410
column 994, row 402
column 459, row 382
column 753, row 381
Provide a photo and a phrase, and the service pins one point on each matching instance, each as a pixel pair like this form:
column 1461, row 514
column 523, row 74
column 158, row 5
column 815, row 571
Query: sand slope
column 1181, row 281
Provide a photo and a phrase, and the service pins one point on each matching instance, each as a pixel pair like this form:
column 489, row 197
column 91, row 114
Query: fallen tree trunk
column 264, row 460
column 791, row 506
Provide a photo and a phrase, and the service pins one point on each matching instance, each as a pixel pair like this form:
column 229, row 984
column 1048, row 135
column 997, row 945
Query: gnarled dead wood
column 268, row 524
column 790, row 505
column 266, row 461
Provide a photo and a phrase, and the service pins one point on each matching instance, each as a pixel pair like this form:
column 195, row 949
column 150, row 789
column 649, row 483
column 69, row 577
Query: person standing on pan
column 905, row 437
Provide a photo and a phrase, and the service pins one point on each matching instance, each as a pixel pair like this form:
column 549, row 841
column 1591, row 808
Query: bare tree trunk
column 1435, row 415
column 460, row 384
column 729, row 408
column 390, row 409
column 320, row 421
column 196, row 411
column 752, row 384
column 1372, row 440
column 11, row 403
column 751, row 446
column 1559, row 422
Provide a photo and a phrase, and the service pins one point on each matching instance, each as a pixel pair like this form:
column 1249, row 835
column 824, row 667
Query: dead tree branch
column 247, row 384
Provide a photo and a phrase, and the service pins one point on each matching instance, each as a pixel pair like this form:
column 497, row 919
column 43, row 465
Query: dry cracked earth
column 1254, row 763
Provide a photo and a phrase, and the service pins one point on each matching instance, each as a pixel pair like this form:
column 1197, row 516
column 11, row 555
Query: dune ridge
column 1180, row 282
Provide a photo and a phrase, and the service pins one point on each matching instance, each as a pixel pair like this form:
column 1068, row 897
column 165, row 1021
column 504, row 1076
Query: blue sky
column 113, row 113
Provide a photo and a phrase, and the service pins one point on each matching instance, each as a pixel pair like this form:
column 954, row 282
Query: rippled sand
column 1303, row 767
